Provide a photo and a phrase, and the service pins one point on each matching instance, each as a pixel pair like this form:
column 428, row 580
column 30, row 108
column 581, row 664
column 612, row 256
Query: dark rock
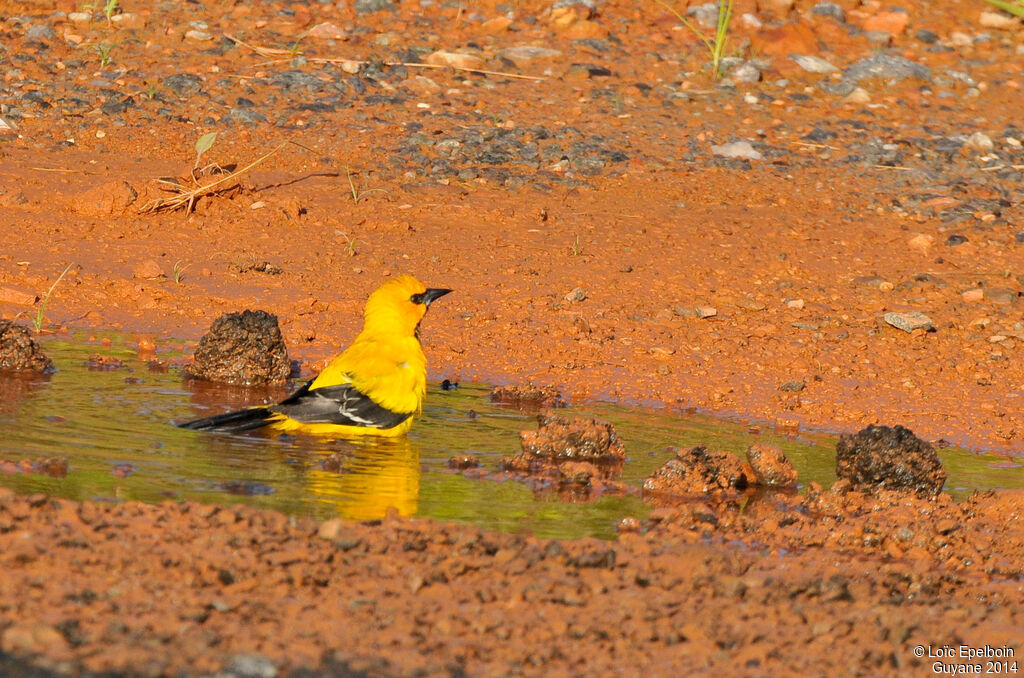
column 363, row 7
column 116, row 106
column 891, row 458
column 829, row 9
column 245, row 115
column 818, row 135
column 297, row 79
column 926, row 36
column 40, row 32
column 19, row 351
column 698, row 470
column 242, row 348
column 887, row 67
column 183, row 85
column 956, row 239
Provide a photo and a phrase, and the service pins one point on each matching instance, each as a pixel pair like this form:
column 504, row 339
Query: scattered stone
column 926, row 36
column 697, row 470
column 109, row 199
column 577, row 294
column 19, row 351
column 148, row 269
column 327, row 31
column 858, row 95
column 247, row 665
column 961, row 39
column 183, row 85
column 875, row 281
column 331, row 529
column 750, row 20
column 894, row 68
column 454, row 60
column 794, row 386
column 988, row 19
column 893, row 23
column 242, row 348
column 364, row 7
column 521, row 55
column 40, row 32
column 706, row 14
column 247, row 116
column 922, row 242
column 558, row 440
column 703, row 312
column 771, row 466
column 1001, row 295
column 829, row 9
column 498, row 24
column 979, row 142
column 98, row 361
column 259, row 267
column 889, row 458
column 813, row 64
column 585, row 72
column 955, row 239
column 18, row 297
column 908, row 322
column 198, row 36
column 737, row 149
column 528, row 396
column 462, row 462
column 745, row 72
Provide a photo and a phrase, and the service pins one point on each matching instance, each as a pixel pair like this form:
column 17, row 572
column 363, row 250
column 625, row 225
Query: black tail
column 232, row 422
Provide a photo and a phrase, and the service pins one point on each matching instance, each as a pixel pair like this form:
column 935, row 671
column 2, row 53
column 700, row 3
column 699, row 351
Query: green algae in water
column 114, row 426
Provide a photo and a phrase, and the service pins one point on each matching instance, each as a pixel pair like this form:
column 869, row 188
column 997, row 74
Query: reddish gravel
column 835, row 584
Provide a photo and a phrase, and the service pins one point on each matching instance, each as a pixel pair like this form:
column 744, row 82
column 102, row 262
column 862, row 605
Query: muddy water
column 114, row 426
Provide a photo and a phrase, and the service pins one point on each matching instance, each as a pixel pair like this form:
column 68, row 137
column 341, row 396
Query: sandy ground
column 597, row 243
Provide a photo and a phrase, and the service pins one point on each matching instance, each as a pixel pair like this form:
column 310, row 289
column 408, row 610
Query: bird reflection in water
column 362, row 480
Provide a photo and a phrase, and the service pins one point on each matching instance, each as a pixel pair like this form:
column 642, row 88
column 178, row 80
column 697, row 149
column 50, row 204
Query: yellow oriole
column 373, row 388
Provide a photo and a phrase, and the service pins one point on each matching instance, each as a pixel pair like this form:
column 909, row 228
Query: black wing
column 344, row 405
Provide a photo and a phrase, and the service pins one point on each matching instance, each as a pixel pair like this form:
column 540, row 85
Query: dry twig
column 186, row 197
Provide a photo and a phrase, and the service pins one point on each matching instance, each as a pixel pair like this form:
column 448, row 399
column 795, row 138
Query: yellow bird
column 372, row 389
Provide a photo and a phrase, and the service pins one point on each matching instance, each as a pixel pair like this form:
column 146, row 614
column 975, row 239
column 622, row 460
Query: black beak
column 429, row 295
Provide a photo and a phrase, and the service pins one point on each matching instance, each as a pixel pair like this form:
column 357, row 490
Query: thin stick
column 55, row 169
column 810, row 145
column 263, row 51
column 268, row 52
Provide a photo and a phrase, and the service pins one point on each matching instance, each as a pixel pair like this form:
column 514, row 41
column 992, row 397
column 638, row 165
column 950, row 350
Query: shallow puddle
column 113, row 425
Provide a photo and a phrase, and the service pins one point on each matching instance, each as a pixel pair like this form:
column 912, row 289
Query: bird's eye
column 418, row 298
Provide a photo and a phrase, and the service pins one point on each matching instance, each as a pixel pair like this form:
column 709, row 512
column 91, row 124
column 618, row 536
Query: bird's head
column 398, row 306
